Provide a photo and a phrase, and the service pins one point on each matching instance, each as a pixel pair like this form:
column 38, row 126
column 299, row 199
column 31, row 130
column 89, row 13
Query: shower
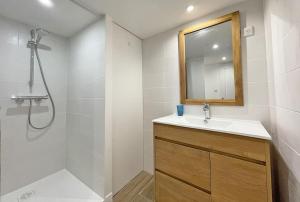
column 34, row 45
column 52, row 103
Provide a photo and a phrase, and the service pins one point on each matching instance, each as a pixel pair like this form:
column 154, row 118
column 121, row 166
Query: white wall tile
column 256, row 70
column 290, row 157
column 291, row 48
column 28, row 155
column 288, row 127
column 283, row 51
column 293, row 8
column 293, row 83
column 86, row 102
column 40, row 154
column 255, row 47
column 258, row 94
column 291, row 190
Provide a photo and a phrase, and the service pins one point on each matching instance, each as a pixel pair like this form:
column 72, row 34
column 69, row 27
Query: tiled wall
column 282, row 21
column 161, row 75
column 86, row 104
column 28, row 155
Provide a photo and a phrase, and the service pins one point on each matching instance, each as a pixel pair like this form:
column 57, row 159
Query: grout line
column 289, row 146
column 292, row 70
column 287, row 109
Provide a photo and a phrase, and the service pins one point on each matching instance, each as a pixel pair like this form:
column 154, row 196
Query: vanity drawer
column 246, row 147
column 187, row 164
column 168, row 189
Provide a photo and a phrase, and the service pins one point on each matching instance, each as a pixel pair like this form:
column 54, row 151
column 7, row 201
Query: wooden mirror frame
column 236, row 52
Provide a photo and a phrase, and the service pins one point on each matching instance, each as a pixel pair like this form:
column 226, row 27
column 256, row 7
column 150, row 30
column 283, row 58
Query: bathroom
column 101, row 100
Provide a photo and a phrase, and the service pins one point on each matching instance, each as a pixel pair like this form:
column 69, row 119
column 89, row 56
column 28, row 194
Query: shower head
column 40, row 33
column 36, row 37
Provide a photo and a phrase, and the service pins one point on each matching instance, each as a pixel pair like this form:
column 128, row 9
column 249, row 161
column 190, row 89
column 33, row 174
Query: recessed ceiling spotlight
column 47, row 3
column 215, row 46
column 224, row 58
column 190, row 8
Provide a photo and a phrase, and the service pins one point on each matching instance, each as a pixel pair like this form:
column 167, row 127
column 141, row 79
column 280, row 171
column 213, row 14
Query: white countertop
column 246, row 128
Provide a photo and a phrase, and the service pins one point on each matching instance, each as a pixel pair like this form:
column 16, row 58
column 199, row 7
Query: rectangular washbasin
column 248, row 128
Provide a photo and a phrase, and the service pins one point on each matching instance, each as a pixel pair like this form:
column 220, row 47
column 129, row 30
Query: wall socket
column 249, row 31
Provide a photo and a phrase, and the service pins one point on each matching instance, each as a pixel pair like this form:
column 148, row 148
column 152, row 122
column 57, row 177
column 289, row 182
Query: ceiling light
column 190, row 8
column 215, row 46
column 224, row 58
column 47, row 3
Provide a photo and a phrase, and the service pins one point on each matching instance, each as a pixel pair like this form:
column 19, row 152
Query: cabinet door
column 187, row 164
column 235, row 180
column 168, row 189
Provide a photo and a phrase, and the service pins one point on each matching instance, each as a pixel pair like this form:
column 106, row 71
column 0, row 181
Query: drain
column 26, row 196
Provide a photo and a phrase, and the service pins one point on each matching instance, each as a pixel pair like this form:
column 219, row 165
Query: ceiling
column 144, row 18
column 65, row 18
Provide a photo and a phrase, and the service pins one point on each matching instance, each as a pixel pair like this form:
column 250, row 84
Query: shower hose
column 49, row 94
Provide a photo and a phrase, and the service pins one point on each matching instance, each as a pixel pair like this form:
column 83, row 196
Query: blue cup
column 180, row 110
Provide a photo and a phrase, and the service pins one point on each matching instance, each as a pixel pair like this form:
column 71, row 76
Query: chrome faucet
column 206, row 110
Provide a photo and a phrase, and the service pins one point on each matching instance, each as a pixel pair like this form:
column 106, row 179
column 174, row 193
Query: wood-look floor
column 139, row 189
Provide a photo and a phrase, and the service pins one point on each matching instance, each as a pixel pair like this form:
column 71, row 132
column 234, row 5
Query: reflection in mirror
column 209, row 63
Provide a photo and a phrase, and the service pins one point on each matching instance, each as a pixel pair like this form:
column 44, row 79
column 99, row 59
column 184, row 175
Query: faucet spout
column 206, row 110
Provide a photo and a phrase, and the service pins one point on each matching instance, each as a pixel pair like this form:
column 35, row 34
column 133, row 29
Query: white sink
column 212, row 123
column 248, row 128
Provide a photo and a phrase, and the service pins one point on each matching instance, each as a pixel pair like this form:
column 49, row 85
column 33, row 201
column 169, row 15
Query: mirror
column 210, row 65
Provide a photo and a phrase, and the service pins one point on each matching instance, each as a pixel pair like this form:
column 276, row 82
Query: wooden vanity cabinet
column 191, row 165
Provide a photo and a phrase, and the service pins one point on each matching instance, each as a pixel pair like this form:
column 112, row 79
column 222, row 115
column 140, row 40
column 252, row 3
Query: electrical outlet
column 248, row 31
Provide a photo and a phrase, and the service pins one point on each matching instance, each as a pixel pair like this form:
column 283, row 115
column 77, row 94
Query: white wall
column 161, row 75
column 86, row 106
column 127, row 107
column 210, row 81
column 282, row 20
column 219, row 81
column 228, row 81
column 195, row 78
column 28, row 155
